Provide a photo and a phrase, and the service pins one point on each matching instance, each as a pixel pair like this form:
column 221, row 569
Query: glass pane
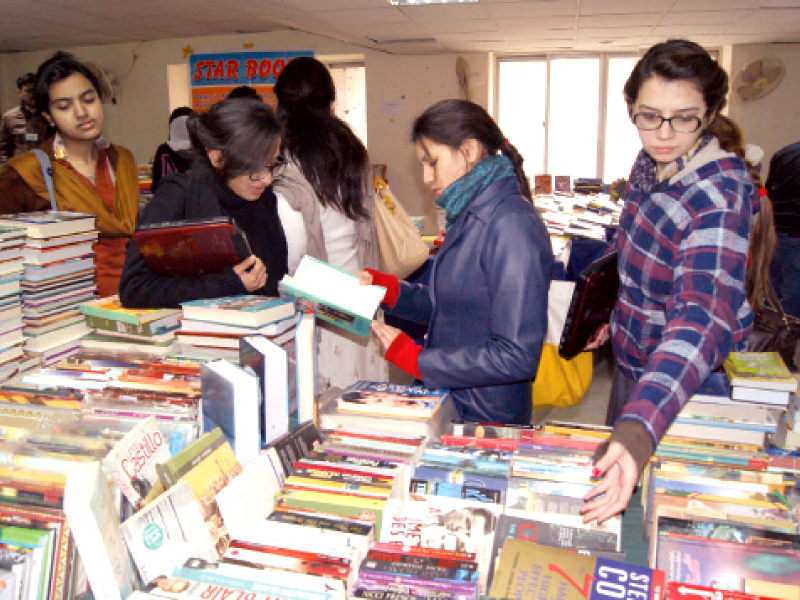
column 521, row 109
column 622, row 139
column 574, row 96
column 351, row 97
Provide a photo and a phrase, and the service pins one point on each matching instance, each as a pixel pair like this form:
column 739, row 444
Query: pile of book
column 212, row 327
column 12, row 240
column 126, row 331
column 761, row 378
column 59, row 275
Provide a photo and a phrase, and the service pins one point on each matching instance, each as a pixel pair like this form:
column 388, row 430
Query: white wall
column 399, row 88
column 773, row 121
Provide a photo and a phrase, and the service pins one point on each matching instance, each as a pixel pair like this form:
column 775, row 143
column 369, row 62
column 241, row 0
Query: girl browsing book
column 237, row 143
column 682, row 246
column 90, row 175
column 486, row 307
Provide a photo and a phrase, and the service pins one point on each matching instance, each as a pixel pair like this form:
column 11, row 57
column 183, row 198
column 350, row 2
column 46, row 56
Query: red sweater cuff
column 390, row 282
column 403, row 353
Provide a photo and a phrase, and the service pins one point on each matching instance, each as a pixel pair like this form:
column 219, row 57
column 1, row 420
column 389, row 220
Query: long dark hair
column 54, row 70
column 246, row 131
column 330, row 156
column 452, row 122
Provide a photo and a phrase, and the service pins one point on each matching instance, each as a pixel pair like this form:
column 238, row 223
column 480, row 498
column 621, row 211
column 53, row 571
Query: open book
column 335, row 295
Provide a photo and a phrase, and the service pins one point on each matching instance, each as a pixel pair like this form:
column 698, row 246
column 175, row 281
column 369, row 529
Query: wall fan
column 462, row 74
column 109, row 84
column 758, row 78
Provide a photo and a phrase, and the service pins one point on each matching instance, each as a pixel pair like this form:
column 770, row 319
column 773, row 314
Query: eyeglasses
column 273, row 170
column 679, row 123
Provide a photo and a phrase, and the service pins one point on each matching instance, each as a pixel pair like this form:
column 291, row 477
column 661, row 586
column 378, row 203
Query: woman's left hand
column 619, row 480
column 386, row 334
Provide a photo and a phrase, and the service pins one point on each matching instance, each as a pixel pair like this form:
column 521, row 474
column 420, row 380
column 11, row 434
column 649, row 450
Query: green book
column 764, row 370
column 110, row 308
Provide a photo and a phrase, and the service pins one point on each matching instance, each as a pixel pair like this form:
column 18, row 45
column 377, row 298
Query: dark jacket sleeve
column 413, row 303
column 139, row 287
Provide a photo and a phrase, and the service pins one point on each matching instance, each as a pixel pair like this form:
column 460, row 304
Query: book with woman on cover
column 391, row 399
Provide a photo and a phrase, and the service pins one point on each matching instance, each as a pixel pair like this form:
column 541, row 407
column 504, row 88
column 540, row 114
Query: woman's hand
column 386, row 334
column 619, row 480
column 598, row 339
column 365, row 276
column 252, row 272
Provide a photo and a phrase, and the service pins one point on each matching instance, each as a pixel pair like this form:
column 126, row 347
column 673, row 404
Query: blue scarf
column 470, row 185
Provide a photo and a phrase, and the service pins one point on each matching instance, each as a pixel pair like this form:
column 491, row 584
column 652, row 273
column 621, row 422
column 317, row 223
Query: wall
column 773, row 121
column 398, row 89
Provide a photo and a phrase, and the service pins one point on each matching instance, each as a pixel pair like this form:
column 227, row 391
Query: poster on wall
column 213, row 76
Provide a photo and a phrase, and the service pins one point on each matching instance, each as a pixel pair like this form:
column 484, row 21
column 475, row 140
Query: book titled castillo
column 548, row 573
column 391, row 399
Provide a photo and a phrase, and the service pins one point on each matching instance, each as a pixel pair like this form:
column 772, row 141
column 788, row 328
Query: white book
column 248, row 499
column 231, row 398
column 305, row 357
column 338, row 296
column 761, row 396
column 270, row 363
column 56, row 337
column 90, row 509
column 168, row 531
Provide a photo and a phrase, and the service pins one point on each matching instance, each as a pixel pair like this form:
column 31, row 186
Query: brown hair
column 762, row 237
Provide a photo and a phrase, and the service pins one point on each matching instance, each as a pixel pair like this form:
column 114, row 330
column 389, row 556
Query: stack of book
column 760, row 378
column 12, row 268
column 787, row 433
column 126, row 331
column 59, row 275
column 388, row 407
column 213, row 326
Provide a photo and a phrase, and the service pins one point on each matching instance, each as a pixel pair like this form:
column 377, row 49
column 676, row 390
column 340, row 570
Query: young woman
column 89, row 174
column 682, row 246
column 327, row 190
column 237, row 142
column 486, row 304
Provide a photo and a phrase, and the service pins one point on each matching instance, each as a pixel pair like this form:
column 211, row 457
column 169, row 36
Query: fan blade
column 747, row 93
column 751, row 72
column 773, row 74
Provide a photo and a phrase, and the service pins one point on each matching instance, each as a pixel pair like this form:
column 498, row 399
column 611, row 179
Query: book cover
column 562, row 184
column 89, row 507
column 342, row 504
column 444, row 523
column 269, row 362
column 245, row 310
column 231, row 400
column 166, row 532
column 759, row 370
column 335, row 295
column 111, row 309
column 290, row 447
column 131, row 464
column 318, row 522
column 406, row 590
column 556, row 573
column 391, row 399
column 677, row 590
column 543, row 185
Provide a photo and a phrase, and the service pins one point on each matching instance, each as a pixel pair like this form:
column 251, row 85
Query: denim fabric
column 784, row 272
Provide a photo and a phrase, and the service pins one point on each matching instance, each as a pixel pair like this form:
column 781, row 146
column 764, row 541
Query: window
column 351, row 96
column 566, row 113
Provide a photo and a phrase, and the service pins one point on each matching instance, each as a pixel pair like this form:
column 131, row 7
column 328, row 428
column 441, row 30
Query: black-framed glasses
column 679, row 123
column 275, row 169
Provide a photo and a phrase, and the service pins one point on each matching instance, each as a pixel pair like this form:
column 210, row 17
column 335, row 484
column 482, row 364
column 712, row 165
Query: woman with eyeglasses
column 682, row 246
column 325, row 199
column 238, row 144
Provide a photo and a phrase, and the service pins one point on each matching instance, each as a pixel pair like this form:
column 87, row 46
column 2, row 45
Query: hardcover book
column 764, row 370
column 335, row 295
column 245, row 311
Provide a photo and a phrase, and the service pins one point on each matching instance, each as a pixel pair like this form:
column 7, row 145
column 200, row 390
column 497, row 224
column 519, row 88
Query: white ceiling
column 488, row 25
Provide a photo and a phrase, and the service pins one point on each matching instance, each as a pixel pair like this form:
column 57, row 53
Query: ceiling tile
column 372, row 15
column 387, row 31
column 515, row 10
column 443, row 13
column 619, row 20
column 689, row 30
column 695, row 5
column 620, row 7
column 534, row 25
column 708, row 16
column 612, row 32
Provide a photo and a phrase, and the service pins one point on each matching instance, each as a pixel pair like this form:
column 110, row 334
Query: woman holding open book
column 486, row 304
column 682, row 247
column 89, row 174
column 238, row 143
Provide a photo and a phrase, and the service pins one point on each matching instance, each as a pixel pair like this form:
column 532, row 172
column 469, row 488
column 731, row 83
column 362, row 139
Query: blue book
column 244, row 311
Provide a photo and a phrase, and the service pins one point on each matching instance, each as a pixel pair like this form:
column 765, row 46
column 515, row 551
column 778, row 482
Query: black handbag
column 774, row 330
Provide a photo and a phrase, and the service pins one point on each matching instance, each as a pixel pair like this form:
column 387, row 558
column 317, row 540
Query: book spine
column 348, row 527
column 455, row 490
column 345, row 506
column 424, row 560
column 419, row 570
column 492, row 443
column 343, row 476
column 117, row 326
column 387, row 579
column 280, row 584
column 406, row 591
column 171, row 471
column 401, row 548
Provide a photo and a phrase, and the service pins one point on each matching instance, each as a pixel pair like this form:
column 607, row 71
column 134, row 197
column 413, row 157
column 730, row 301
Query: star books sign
column 213, row 76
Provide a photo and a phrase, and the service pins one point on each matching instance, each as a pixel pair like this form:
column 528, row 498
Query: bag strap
column 772, row 298
column 47, row 173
